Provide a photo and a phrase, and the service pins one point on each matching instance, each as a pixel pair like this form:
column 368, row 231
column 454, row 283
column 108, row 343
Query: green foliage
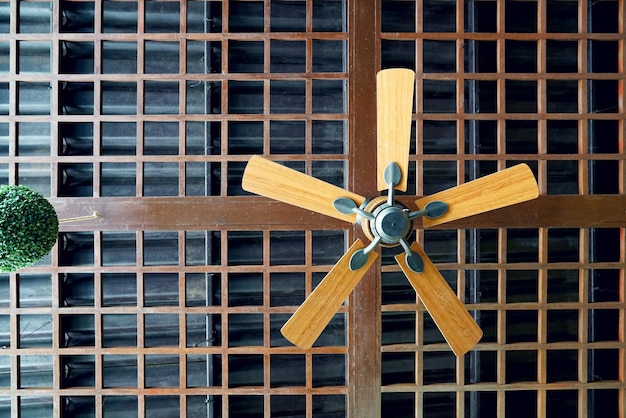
column 28, row 227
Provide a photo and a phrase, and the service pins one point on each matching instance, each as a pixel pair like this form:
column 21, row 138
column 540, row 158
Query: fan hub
column 391, row 224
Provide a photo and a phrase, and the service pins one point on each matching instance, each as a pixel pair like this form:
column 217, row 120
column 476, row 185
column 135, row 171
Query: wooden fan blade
column 455, row 323
column 394, row 106
column 507, row 187
column 308, row 322
column 270, row 179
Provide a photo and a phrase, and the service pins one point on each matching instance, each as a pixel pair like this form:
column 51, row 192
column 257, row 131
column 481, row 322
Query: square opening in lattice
column 287, row 370
column 245, row 330
column 521, row 366
column 204, row 17
column 76, row 289
column 563, row 286
column 203, row 248
column 245, row 16
column 329, row 56
column 245, row 56
column 35, row 17
column 521, row 96
column 481, row 367
column 245, row 97
column 33, row 98
column 438, row 367
column 34, row 290
column 161, row 370
column 398, row 327
column 329, row 16
column 328, row 370
column 397, row 54
column 160, row 289
column 287, row 289
column 119, row 17
column 439, row 137
column 521, row 326
column 35, row 371
column 118, row 98
column 289, row 96
column 161, row 97
column 561, row 56
column 286, row 56
column 203, row 97
column 119, row 330
column 481, row 96
column 438, row 176
column 245, row 248
column 245, row 137
column 203, row 330
column 521, row 286
column 77, row 371
column 120, row 405
column 520, row 16
column 33, row 138
column 160, row 179
column 562, row 366
column 77, row 330
column 245, row 370
column 288, row 16
column 439, row 96
column 398, row 404
column 245, row 289
column 162, row 17
column 75, row 138
column 287, row 137
column 119, row 57
column 439, row 56
column 119, row 289
column 35, row 331
column 397, row 368
column 480, row 56
column 34, row 57
column 204, row 370
column 161, row 330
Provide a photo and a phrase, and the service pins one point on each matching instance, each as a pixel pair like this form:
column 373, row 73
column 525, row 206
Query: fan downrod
column 388, row 222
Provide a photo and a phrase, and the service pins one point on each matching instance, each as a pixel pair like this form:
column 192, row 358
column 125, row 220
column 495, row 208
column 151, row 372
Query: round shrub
column 29, row 227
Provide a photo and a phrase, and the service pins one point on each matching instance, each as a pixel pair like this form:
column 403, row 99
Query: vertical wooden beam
column 364, row 318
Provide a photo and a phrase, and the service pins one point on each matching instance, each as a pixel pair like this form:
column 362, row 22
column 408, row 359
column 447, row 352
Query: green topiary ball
column 29, row 227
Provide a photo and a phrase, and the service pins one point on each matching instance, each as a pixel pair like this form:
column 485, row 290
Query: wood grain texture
column 270, row 179
column 504, row 188
column 450, row 316
column 308, row 322
column 394, row 106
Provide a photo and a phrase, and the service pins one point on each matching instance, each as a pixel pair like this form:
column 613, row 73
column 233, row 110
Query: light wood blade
column 455, row 323
column 308, row 322
column 504, row 188
column 394, row 93
column 270, row 179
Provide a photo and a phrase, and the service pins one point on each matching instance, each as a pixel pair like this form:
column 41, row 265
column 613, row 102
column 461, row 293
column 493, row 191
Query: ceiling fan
column 386, row 222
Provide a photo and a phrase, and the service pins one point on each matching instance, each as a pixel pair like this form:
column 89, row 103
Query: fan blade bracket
column 393, row 174
column 347, row 206
column 359, row 260
column 413, row 260
column 435, row 209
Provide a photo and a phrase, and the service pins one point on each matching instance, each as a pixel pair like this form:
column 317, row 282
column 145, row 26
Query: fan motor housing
column 391, row 225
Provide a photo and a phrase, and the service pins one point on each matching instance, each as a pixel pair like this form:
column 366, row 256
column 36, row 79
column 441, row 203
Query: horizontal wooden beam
column 253, row 213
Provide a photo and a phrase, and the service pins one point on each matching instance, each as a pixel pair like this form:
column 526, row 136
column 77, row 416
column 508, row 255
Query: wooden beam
column 242, row 213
